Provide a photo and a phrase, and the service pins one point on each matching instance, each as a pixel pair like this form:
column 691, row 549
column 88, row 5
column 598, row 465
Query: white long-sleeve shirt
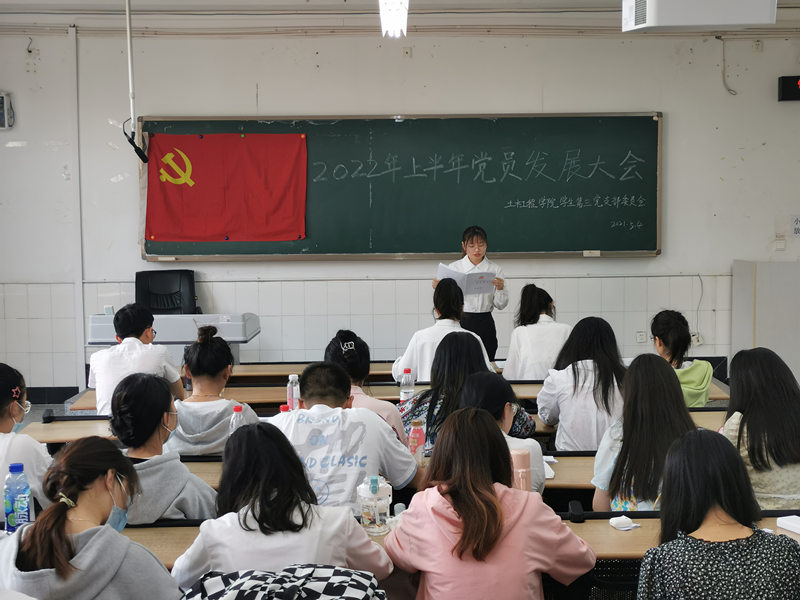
column 581, row 424
column 478, row 303
column 333, row 537
column 534, row 348
column 419, row 354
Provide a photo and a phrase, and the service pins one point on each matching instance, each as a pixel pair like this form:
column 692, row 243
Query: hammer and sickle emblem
column 183, row 175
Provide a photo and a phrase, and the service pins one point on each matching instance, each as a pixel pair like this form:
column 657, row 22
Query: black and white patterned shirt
column 761, row 566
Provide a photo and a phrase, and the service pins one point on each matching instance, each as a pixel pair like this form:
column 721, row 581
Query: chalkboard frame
column 152, row 257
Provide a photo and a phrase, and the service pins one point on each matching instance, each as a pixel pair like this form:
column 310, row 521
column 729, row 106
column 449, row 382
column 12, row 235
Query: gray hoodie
column 203, row 426
column 170, row 491
column 108, row 566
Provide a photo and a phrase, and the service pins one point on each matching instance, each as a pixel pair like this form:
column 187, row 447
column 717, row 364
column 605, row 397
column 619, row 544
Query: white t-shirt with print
column 339, row 447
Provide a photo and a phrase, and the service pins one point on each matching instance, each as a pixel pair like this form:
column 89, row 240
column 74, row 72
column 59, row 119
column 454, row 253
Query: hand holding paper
column 472, row 283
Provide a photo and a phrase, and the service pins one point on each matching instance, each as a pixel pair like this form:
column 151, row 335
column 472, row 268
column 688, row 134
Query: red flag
column 225, row 186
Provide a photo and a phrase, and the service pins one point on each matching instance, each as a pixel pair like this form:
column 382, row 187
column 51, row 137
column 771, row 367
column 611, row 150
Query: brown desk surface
column 167, row 543
column 209, row 472
column 609, row 543
column 572, row 472
column 59, row 432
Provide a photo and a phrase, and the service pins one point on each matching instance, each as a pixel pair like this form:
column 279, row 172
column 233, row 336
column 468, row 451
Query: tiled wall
column 298, row 318
column 37, row 332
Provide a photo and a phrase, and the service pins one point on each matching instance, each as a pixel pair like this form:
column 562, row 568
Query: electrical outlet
column 697, row 339
column 641, row 337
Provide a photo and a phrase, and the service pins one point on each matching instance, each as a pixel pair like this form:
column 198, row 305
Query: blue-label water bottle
column 17, row 496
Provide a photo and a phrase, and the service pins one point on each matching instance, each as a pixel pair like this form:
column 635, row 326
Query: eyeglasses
column 476, row 245
column 154, row 332
column 25, row 405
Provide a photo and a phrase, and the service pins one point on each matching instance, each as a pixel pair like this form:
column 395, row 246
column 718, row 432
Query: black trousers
column 482, row 324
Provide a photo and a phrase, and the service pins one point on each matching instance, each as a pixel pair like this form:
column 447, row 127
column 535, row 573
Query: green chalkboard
column 383, row 187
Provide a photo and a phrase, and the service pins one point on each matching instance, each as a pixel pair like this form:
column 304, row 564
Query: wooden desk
column 167, row 543
column 609, row 543
column 709, row 419
column 278, row 373
column 210, row 471
column 59, row 432
column 572, row 472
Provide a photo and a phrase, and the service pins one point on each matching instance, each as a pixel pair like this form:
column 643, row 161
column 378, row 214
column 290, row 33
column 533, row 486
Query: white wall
column 731, row 166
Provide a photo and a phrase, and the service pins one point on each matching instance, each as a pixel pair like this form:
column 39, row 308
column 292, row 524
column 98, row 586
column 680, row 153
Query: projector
column 696, row 14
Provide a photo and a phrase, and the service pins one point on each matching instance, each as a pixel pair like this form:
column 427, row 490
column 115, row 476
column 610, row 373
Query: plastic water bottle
column 237, row 419
column 416, row 440
column 406, row 385
column 17, row 495
column 293, row 392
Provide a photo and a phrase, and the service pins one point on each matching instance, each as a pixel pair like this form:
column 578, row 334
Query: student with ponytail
column 204, row 417
column 74, row 549
column 470, row 534
column 143, row 418
column 17, row 447
column 537, row 338
column 350, row 352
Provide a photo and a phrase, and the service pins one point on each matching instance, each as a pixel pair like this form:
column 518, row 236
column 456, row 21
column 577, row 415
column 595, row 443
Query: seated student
column 671, row 337
column 143, row 417
column 581, row 394
column 351, row 353
column 537, row 339
column 204, row 417
column 470, row 534
column 268, row 517
column 456, row 358
column 448, row 303
column 764, row 424
column 494, row 394
column 340, row 445
column 135, row 353
column 710, row 544
column 74, row 549
column 17, row 447
column 630, row 459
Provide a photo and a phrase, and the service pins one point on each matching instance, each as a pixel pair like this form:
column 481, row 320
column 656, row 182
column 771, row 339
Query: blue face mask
column 16, row 427
column 118, row 517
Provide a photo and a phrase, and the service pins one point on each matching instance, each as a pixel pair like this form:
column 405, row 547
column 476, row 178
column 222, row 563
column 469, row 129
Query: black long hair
column 766, row 392
column 262, row 472
column 489, row 391
column 672, row 328
column 704, row 470
column 458, row 356
column 533, row 302
column 654, row 415
column 593, row 339
column 448, row 299
column 137, row 406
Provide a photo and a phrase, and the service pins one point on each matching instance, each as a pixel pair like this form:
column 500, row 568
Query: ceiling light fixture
column 394, row 17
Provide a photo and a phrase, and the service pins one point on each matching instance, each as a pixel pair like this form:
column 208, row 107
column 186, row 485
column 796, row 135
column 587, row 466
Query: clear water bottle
column 237, row 419
column 406, row 385
column 375, row 497
column 18, row 501
column 293, row 392
column 416, row 440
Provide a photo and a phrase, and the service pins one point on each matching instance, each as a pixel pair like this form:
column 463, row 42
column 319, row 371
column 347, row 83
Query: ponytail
column 46, row 544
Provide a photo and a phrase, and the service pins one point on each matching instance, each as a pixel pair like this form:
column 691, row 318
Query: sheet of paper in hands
column 472, row 283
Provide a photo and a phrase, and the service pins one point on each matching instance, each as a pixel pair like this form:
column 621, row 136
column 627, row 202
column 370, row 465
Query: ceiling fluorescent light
column 394, row 17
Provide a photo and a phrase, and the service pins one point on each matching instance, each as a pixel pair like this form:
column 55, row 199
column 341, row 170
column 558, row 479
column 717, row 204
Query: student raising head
column 350, row 352
column 268, row 517
column 671, row 337
column 74, row 549
column 135, row 353
column 763, row 422
column 495, row 395
column 143, row 418
column 537, row 338
column 16, row 447
column 473, row 536
column 340, row 445
column 457, row 357
column 448, row 301
column 710, row 545
column 581, row 393
column 204, row 417
column 630, row 459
